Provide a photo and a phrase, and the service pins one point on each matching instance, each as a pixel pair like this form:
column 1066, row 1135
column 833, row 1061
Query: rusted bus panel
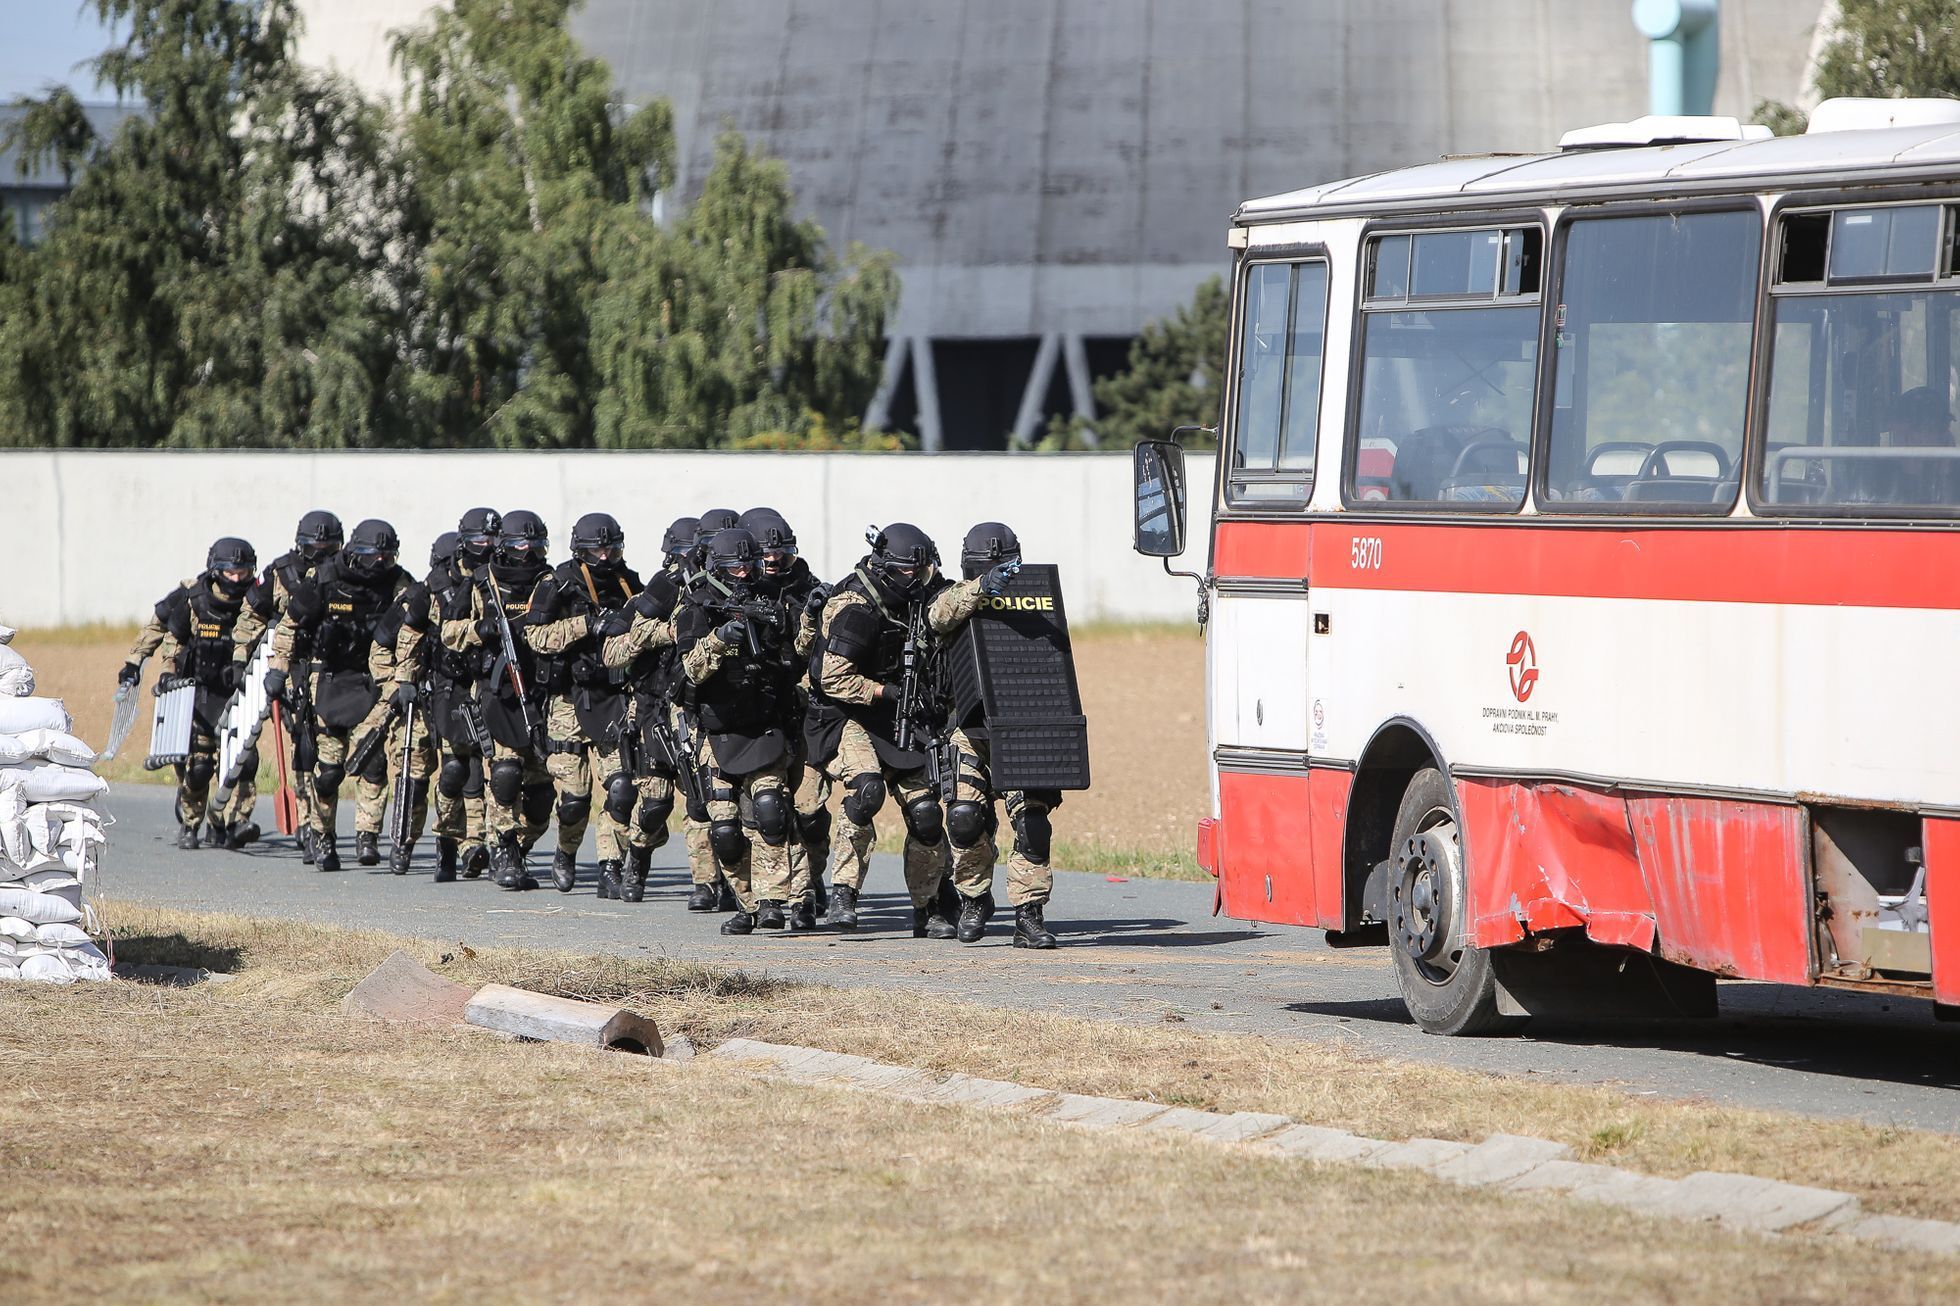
column 1728, row 884
column 1327, row 793
column 1942, row 848
column 1265, row 831
column 1551, row 856
column 1262, row 549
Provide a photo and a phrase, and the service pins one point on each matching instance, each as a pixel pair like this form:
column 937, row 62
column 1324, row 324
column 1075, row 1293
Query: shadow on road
column 1386, row 1011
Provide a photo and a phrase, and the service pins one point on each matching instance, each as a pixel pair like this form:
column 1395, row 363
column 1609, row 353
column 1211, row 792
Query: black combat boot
column 769, row 914
column 241, row 834
column 802, row 915
column 633, row 880
column 843, row 913
column 725, row 899
column 475, row 862
column 609, row 879
column 216, row 833
column 398, row 855
column 506, row 865
column 741, row 922
column 929, row 922
column 367, row 847
column 187, row 837
column 308, row 851
column 326, row 852
column 702, row 898
column 445, row 860
column 974, row 915
column 1029, row 931
column 564, row 871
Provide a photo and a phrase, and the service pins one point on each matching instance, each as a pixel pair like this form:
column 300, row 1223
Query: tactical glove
column 275, row 683
column 891, row 691
column 818, row 597
column 403, row 696
column 130, row 673
column 997, row 576
column 613, row 624
column 729, row 632
column 488, row 631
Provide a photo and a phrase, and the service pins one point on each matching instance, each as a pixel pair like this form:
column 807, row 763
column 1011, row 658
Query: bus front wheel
column 1448, row 986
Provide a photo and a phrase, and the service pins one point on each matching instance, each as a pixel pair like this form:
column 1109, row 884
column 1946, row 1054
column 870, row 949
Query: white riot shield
column 170, row 727
column 244, row 717
column 121, row 723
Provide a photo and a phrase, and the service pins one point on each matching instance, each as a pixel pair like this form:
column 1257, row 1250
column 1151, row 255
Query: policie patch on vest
column 1012, row 660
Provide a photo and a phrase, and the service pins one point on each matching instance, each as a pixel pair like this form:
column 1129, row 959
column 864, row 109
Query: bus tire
column 1448, row 986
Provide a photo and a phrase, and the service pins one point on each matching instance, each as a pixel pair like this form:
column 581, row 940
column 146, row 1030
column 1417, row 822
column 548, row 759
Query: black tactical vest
column 352, row 606
column 201, row 623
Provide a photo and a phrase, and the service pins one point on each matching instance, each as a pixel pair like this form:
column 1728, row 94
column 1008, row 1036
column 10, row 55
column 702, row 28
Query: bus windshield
column 1860, row 403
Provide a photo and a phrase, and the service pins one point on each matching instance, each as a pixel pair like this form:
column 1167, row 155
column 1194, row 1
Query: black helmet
column 775, row 536
column 476, row 536
column 731, row 550
column 714, row 519
column 443, row 551
column 230, row 554
column 679, row 539
column 985, row 545
column 523, row 540
column 319, row 534
column 903, row 556
column 596, row 541
column 373, row 546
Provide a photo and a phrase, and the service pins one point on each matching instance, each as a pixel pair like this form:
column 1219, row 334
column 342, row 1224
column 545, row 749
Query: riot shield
column 170, row 725
column 1012, row 661
column 244, row 718
column 122, row 722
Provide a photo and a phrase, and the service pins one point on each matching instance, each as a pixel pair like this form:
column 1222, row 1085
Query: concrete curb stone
column 1510, row 1163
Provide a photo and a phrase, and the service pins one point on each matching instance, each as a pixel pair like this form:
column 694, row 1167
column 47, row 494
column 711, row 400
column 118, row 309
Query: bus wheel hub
column 1424, row 890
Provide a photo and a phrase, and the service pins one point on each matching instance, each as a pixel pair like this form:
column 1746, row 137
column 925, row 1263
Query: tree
column 208, row 281
column 1883, row 49
column 1175, row 378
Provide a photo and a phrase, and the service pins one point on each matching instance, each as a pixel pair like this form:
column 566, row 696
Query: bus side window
column 1652, row 382
column 1281, row 342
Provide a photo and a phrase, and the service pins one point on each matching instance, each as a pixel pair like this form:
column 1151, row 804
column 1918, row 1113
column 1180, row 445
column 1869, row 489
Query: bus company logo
column 1523, row 662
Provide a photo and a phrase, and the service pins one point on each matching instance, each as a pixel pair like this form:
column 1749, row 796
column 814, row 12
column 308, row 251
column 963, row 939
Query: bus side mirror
column 1159, row 472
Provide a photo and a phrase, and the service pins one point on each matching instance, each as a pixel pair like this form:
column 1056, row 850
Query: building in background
column 1053, row 174
column 25, row 195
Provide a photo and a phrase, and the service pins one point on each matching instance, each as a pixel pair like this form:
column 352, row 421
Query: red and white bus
column 1584, row 601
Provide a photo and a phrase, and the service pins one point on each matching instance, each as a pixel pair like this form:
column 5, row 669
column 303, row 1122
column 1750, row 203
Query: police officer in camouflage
column 195, row 627
column 407, row 684
column 517, row 807
column 990, row 553
column 583, row 602
column 856, row 669
column 731, row 641
column 318, row 538
column 421, row 652
column 330, row 625
column 643, row 653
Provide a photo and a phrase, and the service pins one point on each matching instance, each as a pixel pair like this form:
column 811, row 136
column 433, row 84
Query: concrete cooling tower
column 1052, row 174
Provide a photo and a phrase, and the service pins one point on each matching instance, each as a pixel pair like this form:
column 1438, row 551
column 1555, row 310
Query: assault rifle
column 921, row 699
column 763, row 622
column 401, row 802
column 508, row 658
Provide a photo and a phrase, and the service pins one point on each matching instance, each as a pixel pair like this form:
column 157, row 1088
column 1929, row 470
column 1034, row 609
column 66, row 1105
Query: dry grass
column 1898, row 1171
column 1142, row 690
column 243, row 1142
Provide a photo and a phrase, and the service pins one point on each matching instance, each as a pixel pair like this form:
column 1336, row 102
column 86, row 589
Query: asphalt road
column 1135, row 950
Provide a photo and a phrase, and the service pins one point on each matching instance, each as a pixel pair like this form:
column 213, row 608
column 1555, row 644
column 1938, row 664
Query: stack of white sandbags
column 50, row 838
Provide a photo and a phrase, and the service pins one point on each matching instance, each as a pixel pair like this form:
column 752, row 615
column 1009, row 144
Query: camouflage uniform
column 420, row 654
column 191, row 630
column 265, row 606
column 518, row 790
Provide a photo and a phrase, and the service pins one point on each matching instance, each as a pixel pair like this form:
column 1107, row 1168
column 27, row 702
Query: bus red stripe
column 1847, row 567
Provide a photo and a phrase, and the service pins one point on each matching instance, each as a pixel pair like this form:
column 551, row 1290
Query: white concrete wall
column 100, row 536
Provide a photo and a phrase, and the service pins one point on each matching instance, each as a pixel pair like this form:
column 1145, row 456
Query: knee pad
column 326, row 779
column 967, row 822
column 537, row 804
column 925, row 821
column 728, row 841
column 198, row 768
column 377, row 767
column 473, row 778
column 573, row 809
column 454, row 775
column 814, row 828
column 507, row 781
column 774, row 817
column 619, row 798
column 866, row 796
column 654, row 813
column 1032, row 832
